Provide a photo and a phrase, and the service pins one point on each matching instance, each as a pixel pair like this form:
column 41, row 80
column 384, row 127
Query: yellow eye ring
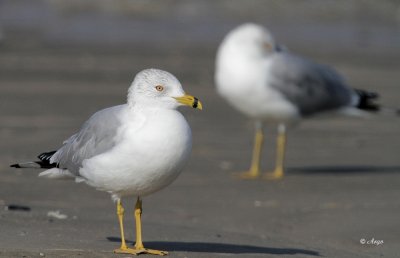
column 159, row 88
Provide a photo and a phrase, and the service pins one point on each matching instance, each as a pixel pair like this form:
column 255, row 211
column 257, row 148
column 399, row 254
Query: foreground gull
column 270, row 85
column 129, row 150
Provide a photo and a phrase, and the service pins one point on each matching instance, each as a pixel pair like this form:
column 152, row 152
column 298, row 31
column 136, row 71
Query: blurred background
column 60, row 61
column 103, row 23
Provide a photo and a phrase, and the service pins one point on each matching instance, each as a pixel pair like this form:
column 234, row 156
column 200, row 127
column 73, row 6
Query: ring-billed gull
column 270, row 85
column 133, row 149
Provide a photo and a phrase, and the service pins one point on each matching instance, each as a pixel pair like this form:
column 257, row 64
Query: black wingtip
column 44, row 162
column 46, row 156
column 367, row 99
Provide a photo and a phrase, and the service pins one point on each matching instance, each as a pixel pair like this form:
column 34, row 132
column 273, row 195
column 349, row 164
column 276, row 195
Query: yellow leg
column 138, row 248
column 254, row 171
column 280, row 155
column 120, row 213
column 138, row 221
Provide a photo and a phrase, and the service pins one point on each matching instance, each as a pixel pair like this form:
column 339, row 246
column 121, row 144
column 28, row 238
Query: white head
column 158, row 88
column 250, row 40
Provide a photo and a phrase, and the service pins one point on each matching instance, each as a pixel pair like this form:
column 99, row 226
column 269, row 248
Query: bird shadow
column 205, row 247
column 351, row 169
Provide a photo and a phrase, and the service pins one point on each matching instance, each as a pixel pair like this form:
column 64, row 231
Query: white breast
column 245, row 85
column 152, row 151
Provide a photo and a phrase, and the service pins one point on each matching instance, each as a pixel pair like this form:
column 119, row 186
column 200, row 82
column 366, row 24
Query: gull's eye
column 267, row 46
column 159, row 88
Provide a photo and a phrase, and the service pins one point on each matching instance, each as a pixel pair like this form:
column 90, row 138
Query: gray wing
column 309, row 86
column 96, row 136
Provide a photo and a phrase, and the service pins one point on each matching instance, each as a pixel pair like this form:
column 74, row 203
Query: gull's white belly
column 252, row 97
column 146, row 160
column 264, row 106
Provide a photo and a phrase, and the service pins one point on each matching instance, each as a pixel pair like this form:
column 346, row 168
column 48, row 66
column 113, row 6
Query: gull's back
column 310, row 86
column 96, row 136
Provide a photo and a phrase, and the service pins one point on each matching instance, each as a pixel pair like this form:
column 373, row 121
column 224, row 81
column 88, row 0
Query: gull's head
column 158, row 88
column 250, row 40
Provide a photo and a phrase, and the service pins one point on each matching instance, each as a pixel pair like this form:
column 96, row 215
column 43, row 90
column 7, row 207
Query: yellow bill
column 189, row 100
